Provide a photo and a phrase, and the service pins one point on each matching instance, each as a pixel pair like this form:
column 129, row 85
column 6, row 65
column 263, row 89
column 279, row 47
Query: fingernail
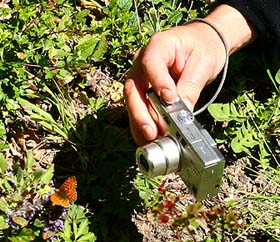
column 166, row 95
column 147, row 131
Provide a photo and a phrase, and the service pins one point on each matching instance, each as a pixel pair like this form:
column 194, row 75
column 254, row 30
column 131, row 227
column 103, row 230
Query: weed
column 262, row 206
column 146, row 189
column 256, row 124
column 221, row 222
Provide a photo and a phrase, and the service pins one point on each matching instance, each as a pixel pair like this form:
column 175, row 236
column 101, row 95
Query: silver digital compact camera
column 187, row 150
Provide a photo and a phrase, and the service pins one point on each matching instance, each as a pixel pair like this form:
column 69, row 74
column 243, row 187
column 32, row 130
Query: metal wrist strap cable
column 225, row 67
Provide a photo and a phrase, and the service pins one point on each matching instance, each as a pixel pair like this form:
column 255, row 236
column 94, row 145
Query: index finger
column 156, row 62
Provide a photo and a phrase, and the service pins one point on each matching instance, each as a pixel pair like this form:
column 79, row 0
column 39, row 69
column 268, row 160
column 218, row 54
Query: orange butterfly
column 66, row 194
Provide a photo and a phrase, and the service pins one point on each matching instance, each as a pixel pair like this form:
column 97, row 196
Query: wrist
column 237, row 31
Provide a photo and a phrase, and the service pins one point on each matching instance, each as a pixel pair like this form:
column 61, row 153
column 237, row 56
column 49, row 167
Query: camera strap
column 225, row 67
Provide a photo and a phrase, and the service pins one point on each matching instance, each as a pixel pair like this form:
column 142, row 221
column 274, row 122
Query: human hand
column 179, row 61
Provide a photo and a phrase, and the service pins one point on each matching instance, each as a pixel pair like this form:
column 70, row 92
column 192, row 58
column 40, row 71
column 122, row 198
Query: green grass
column 59, row 118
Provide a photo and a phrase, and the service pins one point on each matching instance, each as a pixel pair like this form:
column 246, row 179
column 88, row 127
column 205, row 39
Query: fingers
column 193, row 78
column 174, row 62
column 150, row 68
column 156, row 61
column 204, row 63
column 142, row 126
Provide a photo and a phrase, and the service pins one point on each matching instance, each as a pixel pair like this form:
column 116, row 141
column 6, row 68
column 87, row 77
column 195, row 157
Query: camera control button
column 185, row 117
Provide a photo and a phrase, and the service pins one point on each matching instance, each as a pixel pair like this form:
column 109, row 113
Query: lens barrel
column 158, row 158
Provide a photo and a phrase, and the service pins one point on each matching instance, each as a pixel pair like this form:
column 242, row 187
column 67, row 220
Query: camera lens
column 144, row 163
column 160, row 157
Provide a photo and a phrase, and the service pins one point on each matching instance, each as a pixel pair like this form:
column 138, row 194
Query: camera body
column 187, row 149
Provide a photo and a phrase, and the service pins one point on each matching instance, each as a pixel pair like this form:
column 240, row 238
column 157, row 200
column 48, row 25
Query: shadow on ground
column 105, row 168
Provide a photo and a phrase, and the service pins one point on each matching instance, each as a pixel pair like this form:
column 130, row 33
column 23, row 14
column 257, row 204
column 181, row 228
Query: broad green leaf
column 66, row 76
column 3, row 223
column 83, row 13
column 194, row 222
column 100, row 49
column 3, row 146
column 226, row 112
column 248, row 136
column 125, row 4
column 64, row 22
column 55, row 54
column 236, row 143
column 38, row 223
column 86, row 46
column 67, row 228
column 37, row 175
column 47, row 176
column 220, row 111
column 22, row 222
column 4, row 206
column 45, row 190
column 83, row 228
column 175, row 17
column 87, row 237
column 25, row 235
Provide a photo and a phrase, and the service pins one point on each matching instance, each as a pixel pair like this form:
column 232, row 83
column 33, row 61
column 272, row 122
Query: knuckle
column 128, row 86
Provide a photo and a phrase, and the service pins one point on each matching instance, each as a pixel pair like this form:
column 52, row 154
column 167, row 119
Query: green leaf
column 226, row 112
column 193, row 222
column 4, row 206
column 248, row 136
column 65, row 75
column 48, row 175
column 19, row 177
column 100, row 50
column 82, row 14
column 87, row 237
column 64, row 23
column 38, row 223
column 22, row 222
column 125, row 4
column 175, row 17
column 75, row 229
column 236, row 143
column 3, row 163
column 3, row 146
column 43, row 114
column 67, row 228
column 30, row 160
column 25, row 235
column 277, row 77
column 86, row 46
column 83, row 228
column 220, row 111
column 244, row 139
column 3, row 223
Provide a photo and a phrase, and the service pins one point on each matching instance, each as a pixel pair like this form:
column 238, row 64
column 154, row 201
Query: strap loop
column 225, row 67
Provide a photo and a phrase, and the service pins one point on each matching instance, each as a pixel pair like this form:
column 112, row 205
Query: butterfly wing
column 66, row 194
column 68, row 188
column 59, row 199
